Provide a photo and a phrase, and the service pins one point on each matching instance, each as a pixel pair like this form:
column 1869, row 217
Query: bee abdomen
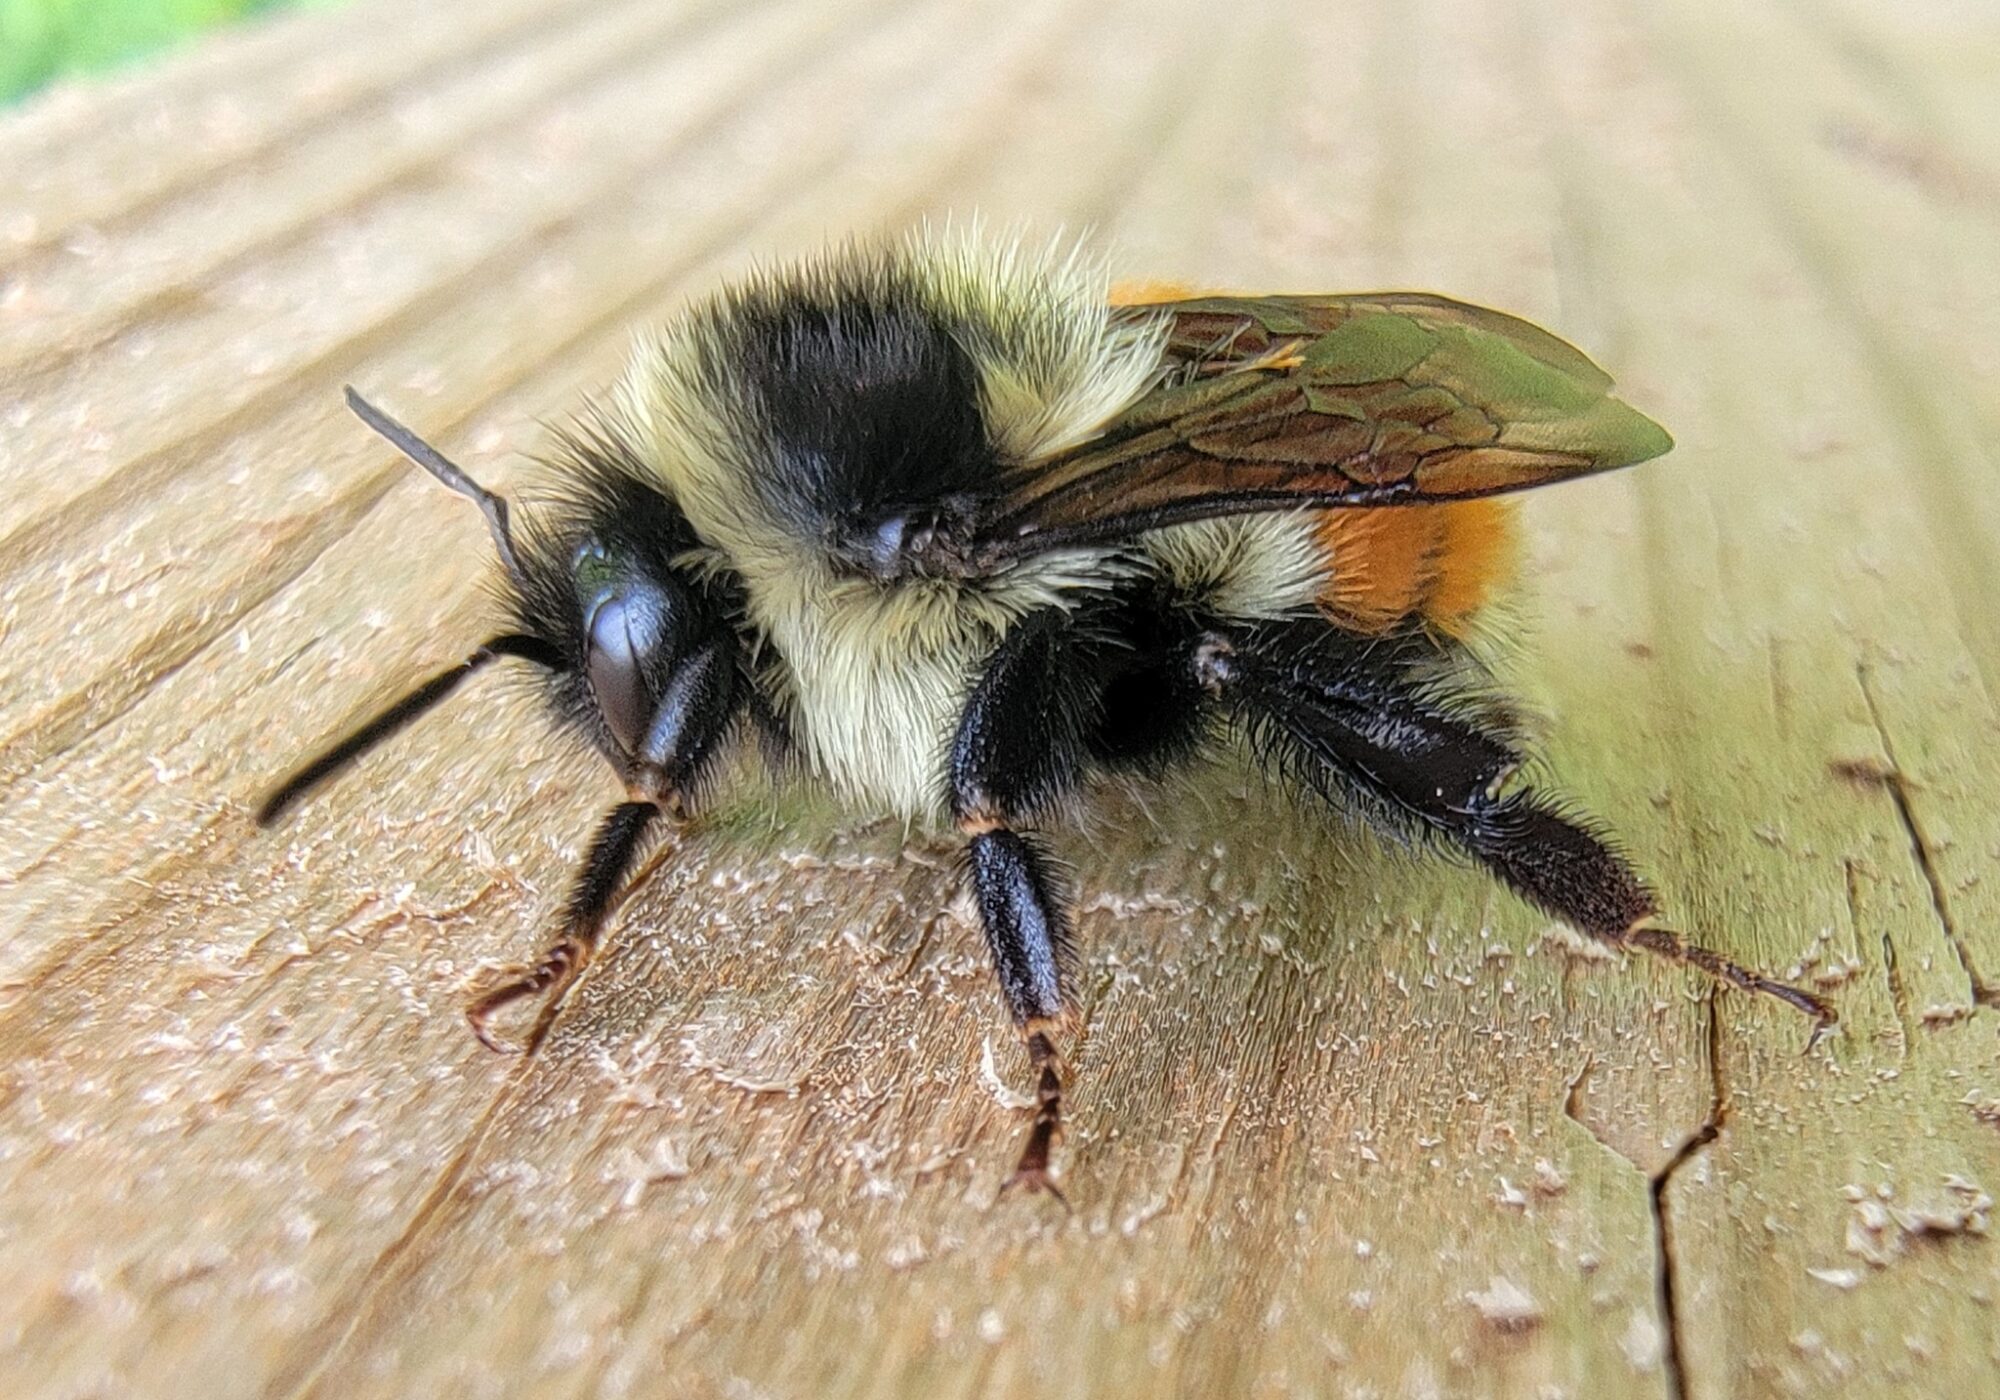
column 1441, row 564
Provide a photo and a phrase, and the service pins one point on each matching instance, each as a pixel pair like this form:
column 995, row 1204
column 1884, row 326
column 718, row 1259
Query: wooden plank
column 1854, row 1195
column 1344, row 1122
column 152, row 133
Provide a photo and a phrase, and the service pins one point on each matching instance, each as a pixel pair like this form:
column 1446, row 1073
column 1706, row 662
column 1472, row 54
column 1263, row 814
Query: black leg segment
column 1021, row 742
column 1021, row 746
column 1350, row 718
column 1027, row 929
column 693, row 714
column 1019, row 750
column 592, row 891
column 1554, row 862
column 1027, row 926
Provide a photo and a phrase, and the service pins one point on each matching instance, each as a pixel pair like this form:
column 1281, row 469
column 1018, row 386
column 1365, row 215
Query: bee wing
column 1270, row 403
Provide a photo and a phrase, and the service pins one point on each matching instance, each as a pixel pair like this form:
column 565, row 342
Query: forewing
column 1275, row 402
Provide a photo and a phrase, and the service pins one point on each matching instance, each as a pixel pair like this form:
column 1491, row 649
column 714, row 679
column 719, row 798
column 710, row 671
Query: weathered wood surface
column 1344, row 1124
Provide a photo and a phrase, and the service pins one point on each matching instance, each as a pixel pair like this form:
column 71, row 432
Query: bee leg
column 591, row 895
column 691, row 716
column 1573, row 873
column 1032, row 1171
column 1019, row 749
column 1027, row 931
column 1356, row 726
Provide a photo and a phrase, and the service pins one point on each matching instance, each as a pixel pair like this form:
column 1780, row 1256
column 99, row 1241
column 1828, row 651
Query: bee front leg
column 684, row 723
column 592, row 893
column 1019, row 750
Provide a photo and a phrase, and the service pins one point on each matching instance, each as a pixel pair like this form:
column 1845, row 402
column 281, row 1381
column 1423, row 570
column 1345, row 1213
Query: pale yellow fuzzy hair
column 873, row 676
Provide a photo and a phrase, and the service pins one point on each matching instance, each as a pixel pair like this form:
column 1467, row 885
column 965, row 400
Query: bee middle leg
column 1020, row 748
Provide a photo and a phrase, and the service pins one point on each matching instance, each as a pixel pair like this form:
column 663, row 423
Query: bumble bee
column 960, row 529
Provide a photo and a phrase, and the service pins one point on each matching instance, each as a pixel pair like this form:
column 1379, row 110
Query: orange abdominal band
column 1439, row 563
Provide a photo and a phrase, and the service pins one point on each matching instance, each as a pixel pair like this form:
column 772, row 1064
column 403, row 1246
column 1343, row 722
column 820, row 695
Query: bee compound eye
column 624, row 632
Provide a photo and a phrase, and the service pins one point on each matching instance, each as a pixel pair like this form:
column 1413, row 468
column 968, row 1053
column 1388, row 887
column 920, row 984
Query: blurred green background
column 41, row 40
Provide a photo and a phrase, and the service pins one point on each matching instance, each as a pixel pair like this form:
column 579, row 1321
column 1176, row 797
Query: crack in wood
column 1666, row 1269
column 1896, row 783
column 1666, row 1266
column 326, row 1341
column 1665, row 1285
column 337, row 1327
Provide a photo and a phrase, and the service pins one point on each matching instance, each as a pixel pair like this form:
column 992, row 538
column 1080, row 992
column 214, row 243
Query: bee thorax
column 928, row 542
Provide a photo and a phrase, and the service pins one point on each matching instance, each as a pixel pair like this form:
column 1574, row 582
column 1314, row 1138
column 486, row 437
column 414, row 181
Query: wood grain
column 1344, row 1123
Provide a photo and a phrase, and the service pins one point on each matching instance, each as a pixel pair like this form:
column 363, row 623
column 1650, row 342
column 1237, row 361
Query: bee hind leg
column 1575, row 874
column 1353, row 722
column 1027, row 932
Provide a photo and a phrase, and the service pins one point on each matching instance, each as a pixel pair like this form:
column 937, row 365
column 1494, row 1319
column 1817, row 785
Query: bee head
column 649, row 653
column 640, row 652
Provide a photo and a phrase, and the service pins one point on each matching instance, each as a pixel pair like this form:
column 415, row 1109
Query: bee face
column 604, row 581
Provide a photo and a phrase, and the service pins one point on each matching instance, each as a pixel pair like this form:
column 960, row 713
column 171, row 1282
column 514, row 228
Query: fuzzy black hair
column 867, row 406
column 604, row 504
column 1364, row 724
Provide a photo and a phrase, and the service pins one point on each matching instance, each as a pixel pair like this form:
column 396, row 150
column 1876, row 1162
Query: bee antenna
column 398, row 717
column 493, row 507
